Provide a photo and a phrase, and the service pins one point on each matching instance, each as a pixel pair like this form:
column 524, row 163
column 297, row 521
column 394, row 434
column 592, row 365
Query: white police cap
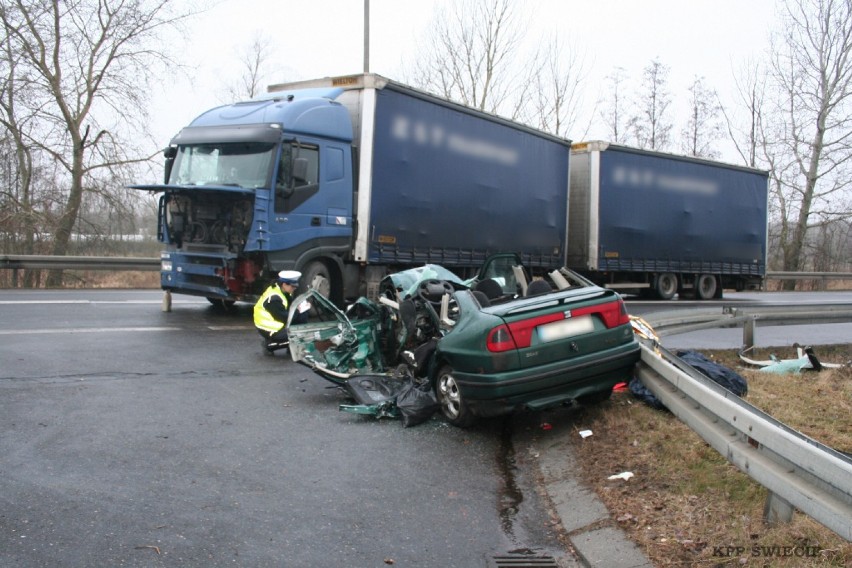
column 289, row 277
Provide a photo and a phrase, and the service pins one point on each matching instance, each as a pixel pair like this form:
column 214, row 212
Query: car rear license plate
column 565, row 328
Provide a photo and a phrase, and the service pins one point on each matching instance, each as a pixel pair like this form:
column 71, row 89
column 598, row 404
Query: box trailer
column 660, row 224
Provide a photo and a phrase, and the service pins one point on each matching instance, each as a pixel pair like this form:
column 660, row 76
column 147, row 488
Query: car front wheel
column 450, row 398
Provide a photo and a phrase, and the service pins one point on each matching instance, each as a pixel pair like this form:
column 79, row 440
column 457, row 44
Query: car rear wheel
column 450, row 398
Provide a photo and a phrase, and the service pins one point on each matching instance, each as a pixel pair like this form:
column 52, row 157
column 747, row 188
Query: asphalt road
column 134, row 437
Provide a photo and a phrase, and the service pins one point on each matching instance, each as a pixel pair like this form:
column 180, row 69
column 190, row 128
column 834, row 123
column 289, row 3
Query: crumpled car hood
column 367, row 338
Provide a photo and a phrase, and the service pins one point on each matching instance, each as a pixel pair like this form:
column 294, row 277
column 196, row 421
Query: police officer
column 271, row 310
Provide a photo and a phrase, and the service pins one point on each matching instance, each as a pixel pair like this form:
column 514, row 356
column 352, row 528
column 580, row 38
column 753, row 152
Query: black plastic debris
column 640, row 391
column 416, row 403
column 717, row 373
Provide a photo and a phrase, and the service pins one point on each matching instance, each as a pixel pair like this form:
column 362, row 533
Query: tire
column 221, row 304
column 318, row 277
column 665, row 285
column 705, row 287
column 453, row 406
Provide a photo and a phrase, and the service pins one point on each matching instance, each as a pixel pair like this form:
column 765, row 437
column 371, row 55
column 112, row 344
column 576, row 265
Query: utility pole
column 366, row 36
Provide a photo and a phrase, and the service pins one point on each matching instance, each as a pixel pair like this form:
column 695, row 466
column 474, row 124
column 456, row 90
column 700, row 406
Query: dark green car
column 486, row 347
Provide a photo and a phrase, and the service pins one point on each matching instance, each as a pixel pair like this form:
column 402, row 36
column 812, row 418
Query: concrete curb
column 595, row 537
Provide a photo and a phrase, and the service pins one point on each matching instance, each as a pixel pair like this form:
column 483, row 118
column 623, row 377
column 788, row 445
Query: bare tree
column 807, row 137
column 553, row 96
column 650, row 126
column 254, row 60
column 750, row 95
column 89, row 63
column 18, row 216
column 703, row 127
column 614, row 114
column 468, row 54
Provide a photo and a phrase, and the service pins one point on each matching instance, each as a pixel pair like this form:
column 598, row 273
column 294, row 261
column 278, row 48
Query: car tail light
column 500, row 339
column 613, row 314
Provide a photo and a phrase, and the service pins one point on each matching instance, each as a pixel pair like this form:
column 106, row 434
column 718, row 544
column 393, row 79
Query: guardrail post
column 167, row 301
column 748, row 332
column 777, row 511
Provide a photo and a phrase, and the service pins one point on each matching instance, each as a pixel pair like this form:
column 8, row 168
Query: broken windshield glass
column 243, row 164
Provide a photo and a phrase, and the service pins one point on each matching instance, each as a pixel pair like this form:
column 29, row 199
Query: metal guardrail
column 780, row 275
column 79, row 262
column 677, row 322
column 798, row 471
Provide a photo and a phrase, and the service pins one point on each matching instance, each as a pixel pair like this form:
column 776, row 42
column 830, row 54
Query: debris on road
column 625, row 475
column 806, row 360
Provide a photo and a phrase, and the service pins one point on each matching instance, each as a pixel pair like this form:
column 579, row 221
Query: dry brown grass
column 111, row 279
column 810, row 285
column 94, row 279
column 687, row 505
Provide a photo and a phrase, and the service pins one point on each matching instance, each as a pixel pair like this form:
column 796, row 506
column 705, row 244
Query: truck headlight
column 166, row 266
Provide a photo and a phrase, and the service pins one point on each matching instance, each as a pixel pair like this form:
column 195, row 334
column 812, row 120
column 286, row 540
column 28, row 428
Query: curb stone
column 584, row 517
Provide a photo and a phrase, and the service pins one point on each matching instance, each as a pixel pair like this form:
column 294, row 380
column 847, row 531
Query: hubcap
column 321, row 284
column 448, row 391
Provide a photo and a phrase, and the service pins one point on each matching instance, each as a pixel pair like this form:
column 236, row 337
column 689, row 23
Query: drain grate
column 522, row 561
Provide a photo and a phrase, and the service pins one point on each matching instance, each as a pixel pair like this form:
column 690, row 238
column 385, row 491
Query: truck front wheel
column 317, row 276
column 666, row 285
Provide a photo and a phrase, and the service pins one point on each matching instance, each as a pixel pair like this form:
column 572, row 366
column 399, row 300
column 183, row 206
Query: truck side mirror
column 300, row 170
column 169, row 153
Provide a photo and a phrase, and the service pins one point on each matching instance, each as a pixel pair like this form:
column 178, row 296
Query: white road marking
column 117, row 329
column 157, row 302
column 84, row 330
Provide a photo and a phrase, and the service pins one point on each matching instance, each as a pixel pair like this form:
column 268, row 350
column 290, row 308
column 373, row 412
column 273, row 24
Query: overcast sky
column 325, row 38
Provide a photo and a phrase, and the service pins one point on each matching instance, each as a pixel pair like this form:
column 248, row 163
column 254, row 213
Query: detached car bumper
column 548, row 385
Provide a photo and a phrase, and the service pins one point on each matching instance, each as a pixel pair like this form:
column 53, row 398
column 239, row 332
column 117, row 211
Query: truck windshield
column 244, row 164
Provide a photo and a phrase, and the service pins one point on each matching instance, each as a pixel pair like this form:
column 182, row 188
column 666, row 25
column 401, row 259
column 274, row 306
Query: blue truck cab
column 242, row 198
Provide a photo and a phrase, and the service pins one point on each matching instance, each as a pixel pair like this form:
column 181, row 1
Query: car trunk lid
column 560, row 326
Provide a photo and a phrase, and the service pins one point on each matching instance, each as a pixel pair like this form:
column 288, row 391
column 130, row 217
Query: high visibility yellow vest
column 262, row 318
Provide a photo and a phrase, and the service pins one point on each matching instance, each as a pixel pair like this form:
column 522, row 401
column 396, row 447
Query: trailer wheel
column 317, row 276
column 666, row 285
column 705, row 288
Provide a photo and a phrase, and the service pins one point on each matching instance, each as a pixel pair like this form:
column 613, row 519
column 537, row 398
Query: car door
column 325, row 339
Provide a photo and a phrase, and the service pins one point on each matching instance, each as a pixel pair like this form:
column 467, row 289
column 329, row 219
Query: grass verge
column 686, row 505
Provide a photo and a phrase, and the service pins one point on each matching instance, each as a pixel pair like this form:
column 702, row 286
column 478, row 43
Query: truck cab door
column 311, row 204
